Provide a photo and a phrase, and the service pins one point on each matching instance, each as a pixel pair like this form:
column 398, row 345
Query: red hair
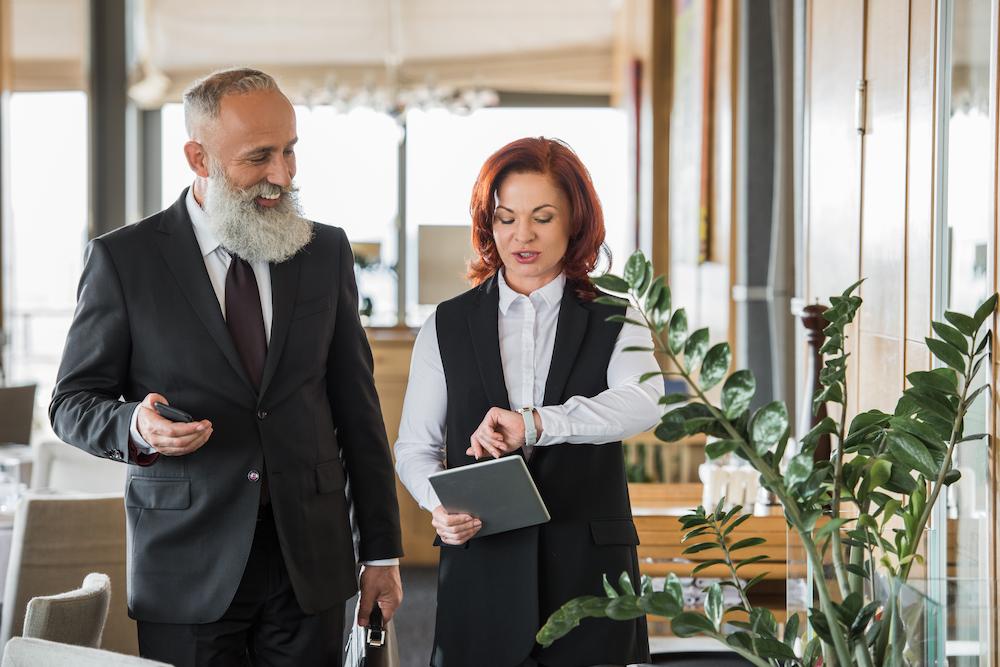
column 552, row 158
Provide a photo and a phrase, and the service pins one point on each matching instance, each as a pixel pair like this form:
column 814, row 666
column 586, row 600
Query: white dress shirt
column 527, row 329
column 217, row 263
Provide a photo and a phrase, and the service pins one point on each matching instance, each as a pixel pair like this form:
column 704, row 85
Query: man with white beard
column 232, row 308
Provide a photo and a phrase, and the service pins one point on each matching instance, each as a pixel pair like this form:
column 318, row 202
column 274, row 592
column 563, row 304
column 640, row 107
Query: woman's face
column 531, row 227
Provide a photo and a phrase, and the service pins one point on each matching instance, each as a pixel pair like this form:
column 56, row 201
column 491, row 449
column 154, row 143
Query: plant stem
column 838, row 471
column 752, row 657
column 774, row 482
column 732, row 568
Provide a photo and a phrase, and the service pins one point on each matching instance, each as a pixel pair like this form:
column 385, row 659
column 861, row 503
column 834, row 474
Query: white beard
column 255, row 233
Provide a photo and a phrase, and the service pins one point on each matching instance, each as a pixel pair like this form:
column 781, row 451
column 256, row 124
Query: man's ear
column 197, row 158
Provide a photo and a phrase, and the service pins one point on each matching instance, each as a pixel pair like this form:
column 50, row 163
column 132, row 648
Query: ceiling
column 550, row 46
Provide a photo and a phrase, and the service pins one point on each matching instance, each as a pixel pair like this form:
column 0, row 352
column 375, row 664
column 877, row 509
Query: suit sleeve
column 358, row 418
column 86, row 409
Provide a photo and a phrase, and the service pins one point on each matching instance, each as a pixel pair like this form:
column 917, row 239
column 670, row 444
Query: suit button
column 262, row 415
column 253, row 475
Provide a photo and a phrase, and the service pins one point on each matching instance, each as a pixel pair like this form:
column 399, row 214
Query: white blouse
column 527, row 328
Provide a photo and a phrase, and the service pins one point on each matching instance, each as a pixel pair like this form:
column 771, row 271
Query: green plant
column 866, row 509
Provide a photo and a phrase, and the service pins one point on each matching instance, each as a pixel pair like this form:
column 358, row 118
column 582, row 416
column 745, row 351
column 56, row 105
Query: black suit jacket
column 147, row 320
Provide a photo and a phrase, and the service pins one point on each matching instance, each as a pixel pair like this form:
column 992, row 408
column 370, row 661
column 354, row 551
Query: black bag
column 374, row 646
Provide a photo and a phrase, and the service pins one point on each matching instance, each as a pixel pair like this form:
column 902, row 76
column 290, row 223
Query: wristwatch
column 530, row 433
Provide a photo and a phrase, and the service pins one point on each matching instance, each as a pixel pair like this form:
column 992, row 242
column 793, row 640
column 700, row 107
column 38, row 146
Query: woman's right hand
column 454, row 529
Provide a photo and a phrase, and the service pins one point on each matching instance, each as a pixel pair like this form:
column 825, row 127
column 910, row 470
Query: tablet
column 500, row 492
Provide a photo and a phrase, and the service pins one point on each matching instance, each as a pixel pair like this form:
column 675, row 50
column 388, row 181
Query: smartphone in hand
column 173, row 414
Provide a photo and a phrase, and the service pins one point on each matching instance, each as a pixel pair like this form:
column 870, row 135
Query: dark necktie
column 245, row 320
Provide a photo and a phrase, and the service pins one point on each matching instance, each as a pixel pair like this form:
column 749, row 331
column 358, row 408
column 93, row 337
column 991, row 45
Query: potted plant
column 865, row 510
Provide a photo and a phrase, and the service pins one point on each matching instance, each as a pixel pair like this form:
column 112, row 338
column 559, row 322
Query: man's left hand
column 380, row 584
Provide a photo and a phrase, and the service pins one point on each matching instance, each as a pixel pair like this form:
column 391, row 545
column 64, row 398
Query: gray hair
column 203, row 99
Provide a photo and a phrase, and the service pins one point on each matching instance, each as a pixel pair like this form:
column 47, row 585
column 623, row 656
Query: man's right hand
column 454, row 528
column 167, row 437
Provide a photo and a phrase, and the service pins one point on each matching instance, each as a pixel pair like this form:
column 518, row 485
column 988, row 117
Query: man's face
column 253, row 140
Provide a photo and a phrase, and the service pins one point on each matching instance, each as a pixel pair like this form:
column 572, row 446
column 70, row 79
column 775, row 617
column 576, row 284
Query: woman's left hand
column 501, row 432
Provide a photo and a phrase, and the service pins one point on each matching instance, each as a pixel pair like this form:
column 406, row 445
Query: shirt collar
column 550, row 293
column 199, row 220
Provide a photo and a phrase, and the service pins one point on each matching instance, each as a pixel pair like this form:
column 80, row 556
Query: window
column 44, row 242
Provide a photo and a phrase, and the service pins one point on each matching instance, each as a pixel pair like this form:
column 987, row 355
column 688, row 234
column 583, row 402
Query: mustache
column 266, row 189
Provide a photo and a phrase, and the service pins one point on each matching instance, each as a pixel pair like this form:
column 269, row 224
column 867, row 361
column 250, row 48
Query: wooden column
column 812, row 319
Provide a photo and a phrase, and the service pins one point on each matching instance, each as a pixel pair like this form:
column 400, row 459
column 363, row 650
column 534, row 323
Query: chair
column 59, row 539
column 76, row 617
column 27, row 652
column 62, row 467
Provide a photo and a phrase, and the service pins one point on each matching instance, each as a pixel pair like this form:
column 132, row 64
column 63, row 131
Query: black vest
column 495, row 592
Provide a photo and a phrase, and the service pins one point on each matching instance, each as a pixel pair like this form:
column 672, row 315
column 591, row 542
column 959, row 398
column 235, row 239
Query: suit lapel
column 179, row 248
column 484, row 327
column 284, row 287
column 570, row 329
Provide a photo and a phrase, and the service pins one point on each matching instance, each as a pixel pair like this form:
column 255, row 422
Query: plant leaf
column 624, row 608
column 635, row 270
column 963, row 323
column 941, row 379
column 610, row 282
column 830, row 526
column 769, row 423
column 737, row 393
column 748, row 542
column 791, row 629
column 677, row 331
column 609, row 590
column 662, row 604
column 612, row 301
column 625, row 584
column 947, row 354
column 695, row 348
column 985, row 310
column 799, row 469
column 713, row 605
column 672, row 585
column 765, row 647
column 951, row 335
column 670, row 399
column 909, row 451
column 653, row 295
column 718, row 448
column 715, row 366
column 688, row 624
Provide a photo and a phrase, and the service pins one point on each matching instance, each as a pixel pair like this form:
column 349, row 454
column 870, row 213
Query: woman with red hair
column 526, row 364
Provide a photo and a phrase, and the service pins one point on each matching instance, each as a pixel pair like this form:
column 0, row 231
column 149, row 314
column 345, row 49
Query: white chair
column 57, row 541
column 25, row 652
column 76, row 617
column 61, row 467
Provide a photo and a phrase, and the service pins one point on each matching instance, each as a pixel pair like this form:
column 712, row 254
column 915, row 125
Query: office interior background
column 764, row 154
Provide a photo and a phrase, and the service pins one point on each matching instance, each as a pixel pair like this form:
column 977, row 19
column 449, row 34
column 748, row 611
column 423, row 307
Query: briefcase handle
column 375, row 632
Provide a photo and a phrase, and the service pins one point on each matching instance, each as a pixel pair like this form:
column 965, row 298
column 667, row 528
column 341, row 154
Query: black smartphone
column 173, row 414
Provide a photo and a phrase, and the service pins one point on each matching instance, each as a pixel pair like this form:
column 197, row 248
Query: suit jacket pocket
column 614, row 531
column 329, row 477
column 158, row 493
column 310, row 307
